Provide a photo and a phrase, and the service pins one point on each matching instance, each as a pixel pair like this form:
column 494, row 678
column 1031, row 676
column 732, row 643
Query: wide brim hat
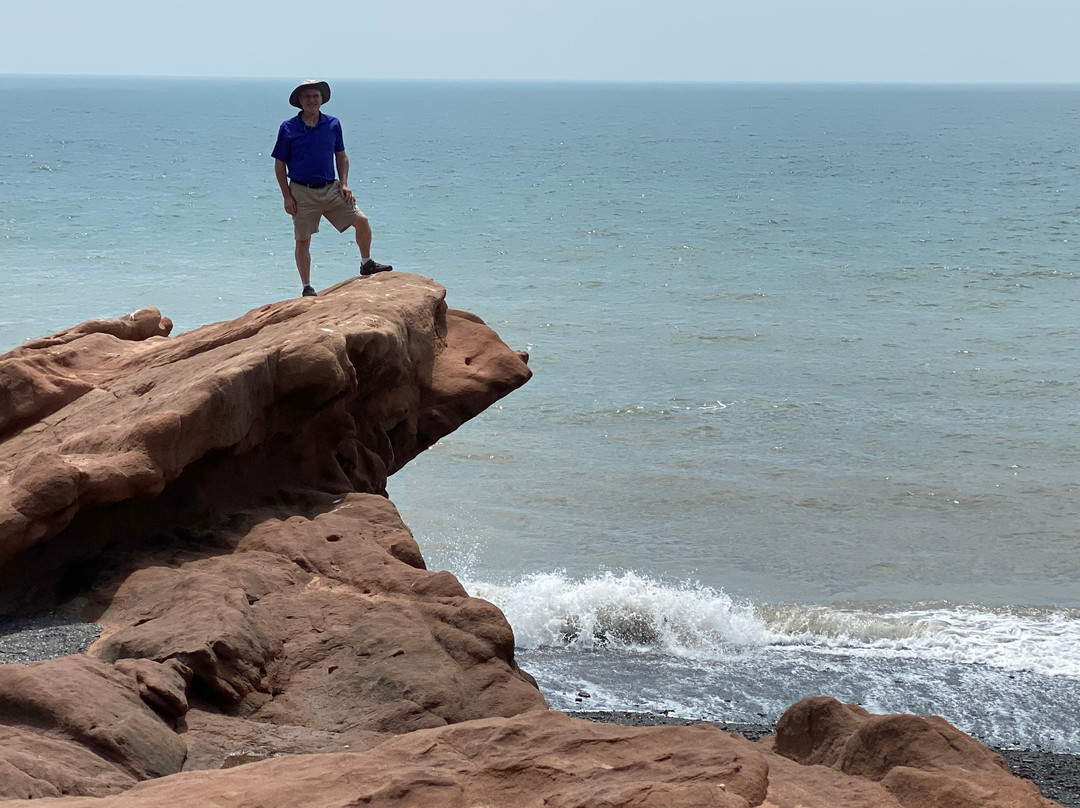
column 321, row 86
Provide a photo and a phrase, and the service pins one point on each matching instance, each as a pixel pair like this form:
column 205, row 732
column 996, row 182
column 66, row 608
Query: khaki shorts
column 314, row 203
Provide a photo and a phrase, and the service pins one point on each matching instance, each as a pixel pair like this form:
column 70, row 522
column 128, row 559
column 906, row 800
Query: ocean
column 805, row 411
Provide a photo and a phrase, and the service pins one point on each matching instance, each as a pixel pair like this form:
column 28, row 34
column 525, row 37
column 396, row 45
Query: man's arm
column 341, row 159
column 283, row 183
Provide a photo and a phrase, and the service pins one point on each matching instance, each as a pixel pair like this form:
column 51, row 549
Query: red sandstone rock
column 320, row 623
column 919, row 761
column 326, row 394
column 547, row 759
column 195, row 493
column 40, row 377
column 544, row 759
column 78, row 726
column 214, row 501
column 217, row 741
column 162, row 686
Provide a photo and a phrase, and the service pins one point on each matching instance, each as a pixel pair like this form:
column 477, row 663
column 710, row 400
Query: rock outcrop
column 547, row 759
column 111, row 428
column 216, row 502
column 270, row 634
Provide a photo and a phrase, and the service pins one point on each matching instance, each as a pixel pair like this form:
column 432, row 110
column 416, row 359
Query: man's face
column 310, row 99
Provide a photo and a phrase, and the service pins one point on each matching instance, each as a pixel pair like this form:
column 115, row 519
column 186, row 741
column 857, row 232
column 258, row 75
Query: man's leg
column 305, row 224
column 363, row 241
column 363, row 236
column 303, row 260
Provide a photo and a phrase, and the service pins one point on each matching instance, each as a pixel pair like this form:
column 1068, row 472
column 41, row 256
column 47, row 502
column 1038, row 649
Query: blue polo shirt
column 309, row 151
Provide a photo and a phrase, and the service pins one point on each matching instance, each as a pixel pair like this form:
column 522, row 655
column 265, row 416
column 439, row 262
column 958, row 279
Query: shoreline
column 1057, row 775
column 27, row 639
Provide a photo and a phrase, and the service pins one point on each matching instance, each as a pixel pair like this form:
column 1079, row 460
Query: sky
column 908, row 41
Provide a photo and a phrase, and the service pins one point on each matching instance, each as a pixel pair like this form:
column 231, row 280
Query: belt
column 313, row 184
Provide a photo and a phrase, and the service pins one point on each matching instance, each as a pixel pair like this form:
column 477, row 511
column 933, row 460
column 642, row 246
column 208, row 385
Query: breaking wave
column 633, row 612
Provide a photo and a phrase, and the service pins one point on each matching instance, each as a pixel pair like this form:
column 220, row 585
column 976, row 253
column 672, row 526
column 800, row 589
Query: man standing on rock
column 309, row 147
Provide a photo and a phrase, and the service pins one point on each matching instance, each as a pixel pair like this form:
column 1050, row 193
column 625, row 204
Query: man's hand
column 281, row 173
column 347, row 194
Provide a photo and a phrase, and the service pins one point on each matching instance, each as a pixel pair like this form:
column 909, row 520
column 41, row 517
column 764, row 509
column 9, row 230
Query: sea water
column 804, row 416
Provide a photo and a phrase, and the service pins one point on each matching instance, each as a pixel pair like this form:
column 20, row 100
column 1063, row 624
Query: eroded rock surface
column 547, row 759
column 919, row 762
column 330, row 623
column 76, row 725
column 216, row 503
column 270, row 634
column 309, row 396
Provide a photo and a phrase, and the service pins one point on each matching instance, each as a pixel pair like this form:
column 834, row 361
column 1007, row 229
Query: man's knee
column 303, row 244
column 361, row 222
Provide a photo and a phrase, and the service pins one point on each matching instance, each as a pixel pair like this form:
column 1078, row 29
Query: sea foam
column 637, row 613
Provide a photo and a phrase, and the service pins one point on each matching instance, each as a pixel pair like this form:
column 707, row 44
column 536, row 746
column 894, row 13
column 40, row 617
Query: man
column 309, row 147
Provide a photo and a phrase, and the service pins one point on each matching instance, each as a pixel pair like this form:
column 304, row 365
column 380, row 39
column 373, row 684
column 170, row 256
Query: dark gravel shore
column 44, row 636
column 1056, row 775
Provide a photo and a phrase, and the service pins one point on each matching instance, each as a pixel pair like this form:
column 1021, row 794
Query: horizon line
column 519, row 80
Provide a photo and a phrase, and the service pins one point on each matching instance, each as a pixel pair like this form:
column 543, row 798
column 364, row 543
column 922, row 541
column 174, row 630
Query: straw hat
column 321, row 86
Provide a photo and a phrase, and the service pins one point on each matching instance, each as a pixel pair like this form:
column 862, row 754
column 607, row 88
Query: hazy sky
column 694, row 40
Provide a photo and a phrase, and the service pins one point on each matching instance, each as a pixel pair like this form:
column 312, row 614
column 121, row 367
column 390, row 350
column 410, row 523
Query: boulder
column 920, row 762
